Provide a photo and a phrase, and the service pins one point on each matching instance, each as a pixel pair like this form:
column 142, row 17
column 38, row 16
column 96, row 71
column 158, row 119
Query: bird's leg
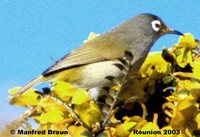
column 125, row 67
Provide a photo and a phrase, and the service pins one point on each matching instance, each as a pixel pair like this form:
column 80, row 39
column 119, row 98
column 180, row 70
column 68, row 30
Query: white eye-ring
column 156, row 25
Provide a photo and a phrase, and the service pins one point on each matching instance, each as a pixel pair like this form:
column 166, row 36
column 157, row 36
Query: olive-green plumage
column 87, row 66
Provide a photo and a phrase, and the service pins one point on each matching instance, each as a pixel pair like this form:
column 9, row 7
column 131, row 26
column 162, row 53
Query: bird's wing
column 99, row 49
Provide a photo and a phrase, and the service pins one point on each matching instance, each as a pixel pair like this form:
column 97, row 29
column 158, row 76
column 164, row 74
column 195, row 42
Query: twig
column 77, row 119
column 185, row 75
column 179, row 81
column 18, row 122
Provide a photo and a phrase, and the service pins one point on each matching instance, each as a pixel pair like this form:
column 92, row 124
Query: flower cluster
column 165, row 97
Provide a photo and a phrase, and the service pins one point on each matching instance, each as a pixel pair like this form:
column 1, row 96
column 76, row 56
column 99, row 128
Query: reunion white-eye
column 89, row 65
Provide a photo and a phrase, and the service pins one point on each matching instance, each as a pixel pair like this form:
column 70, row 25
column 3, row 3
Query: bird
column 90, row 65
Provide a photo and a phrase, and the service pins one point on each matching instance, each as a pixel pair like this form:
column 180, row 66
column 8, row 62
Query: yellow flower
column 28, row 98
column 155, row 66
column 89, row 113
column 53, row 116
column 91, row 36
column 188, row 41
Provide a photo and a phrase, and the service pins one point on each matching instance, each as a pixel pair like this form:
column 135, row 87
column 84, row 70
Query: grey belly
column 93, row 75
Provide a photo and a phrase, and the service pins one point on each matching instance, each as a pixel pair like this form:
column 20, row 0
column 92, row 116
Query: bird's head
column 151, row 26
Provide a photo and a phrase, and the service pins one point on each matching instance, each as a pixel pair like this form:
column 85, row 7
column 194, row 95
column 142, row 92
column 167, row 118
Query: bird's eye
column 156, row 25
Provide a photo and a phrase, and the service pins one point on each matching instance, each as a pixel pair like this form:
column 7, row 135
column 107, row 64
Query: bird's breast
column 140, row 51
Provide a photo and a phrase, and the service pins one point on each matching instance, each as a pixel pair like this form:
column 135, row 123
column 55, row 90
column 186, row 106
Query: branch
column 127, row 63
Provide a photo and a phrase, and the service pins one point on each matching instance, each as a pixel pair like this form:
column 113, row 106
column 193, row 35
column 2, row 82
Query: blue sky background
column 32, row 31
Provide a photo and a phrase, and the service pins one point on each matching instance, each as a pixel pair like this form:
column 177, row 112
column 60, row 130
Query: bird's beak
column 171, row 31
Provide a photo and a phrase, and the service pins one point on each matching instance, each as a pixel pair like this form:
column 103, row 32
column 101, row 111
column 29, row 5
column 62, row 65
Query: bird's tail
column 32, row 83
